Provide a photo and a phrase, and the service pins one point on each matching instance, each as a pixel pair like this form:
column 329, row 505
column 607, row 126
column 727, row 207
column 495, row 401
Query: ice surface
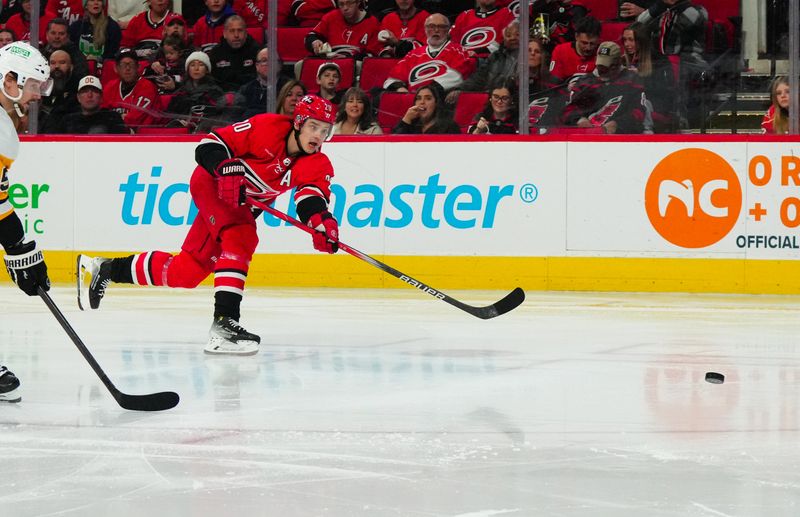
column 390, row 403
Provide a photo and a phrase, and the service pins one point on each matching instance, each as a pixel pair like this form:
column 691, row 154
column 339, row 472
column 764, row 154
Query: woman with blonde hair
column 96, row 34
column 355, row 115
column 291, row 92
column 776, row 121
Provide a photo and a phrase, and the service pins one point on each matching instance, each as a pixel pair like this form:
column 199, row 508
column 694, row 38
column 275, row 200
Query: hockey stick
column 152, row 402
column 509, row 302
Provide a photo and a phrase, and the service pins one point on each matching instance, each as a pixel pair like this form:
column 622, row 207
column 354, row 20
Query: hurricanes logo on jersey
column 426, row 72
column 478, row 37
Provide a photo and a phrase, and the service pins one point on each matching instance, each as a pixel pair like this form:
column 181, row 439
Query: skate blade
column 83, row 269
column 11, row 396
column 246, row 348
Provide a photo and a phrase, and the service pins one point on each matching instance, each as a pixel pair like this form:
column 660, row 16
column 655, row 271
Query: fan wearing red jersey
column 479, row 31
column 259, row 158
column 132, row 96
column 145, row 30
column 70, row 10
column 403, row 29
column 346, row 32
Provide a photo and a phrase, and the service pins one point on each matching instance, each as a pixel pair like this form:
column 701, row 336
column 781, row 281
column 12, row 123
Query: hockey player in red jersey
column 480, row 31
column 25, row 77
column 441, row 60
column 260, row 158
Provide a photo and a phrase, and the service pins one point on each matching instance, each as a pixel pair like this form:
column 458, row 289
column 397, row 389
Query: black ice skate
column 228, row 337
column 9, row 386
column 99, row 270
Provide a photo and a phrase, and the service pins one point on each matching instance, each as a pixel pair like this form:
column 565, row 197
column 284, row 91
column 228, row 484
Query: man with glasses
column 255, row 92
column 346, row 32
column 233, row 61
column 441, row 60
column 132, row 96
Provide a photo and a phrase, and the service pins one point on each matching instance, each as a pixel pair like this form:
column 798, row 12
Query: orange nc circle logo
column 693, row 198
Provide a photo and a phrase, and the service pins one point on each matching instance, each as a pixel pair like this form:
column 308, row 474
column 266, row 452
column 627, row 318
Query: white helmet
column 27, row 63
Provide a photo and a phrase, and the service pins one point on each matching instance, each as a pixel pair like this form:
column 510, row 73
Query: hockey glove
column 26, row 267
column 230, row 182
column 326, row 236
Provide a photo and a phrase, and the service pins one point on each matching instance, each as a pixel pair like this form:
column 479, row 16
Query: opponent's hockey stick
column 152, row 402
column 509, row 302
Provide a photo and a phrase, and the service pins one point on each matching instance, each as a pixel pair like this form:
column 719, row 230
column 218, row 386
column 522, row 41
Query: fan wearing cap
column 329, row 75
column 97, row 35
column 611, row 97
column 258, row 158
column 91, row 119
column 200, row 95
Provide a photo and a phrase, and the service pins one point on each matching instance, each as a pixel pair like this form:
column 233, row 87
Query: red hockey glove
column 231, row 182
column 326, row 236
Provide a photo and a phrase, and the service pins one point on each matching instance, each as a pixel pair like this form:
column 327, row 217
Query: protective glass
column 36, row 86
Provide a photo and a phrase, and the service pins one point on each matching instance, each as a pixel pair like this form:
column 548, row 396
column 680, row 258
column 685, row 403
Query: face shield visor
column 36, row 86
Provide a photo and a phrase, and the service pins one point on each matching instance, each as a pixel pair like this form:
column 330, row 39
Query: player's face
column 291, row 100
column 586, row 44
column 782, row 95
column 501, row 101
column 90, row 98
column 57, row 35
column 94, row 7
column 235, row 34
column 425, row 103
column 329, row 80
column 354, row 107
column 313, row 133
column 197, row 70
column 628, row 42
column 534, row 55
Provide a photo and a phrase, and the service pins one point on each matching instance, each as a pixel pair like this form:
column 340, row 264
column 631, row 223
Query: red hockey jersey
column 348, row 40
column 448, row 67
column 144, row 35
column 22, row 29
column 566, row 62
column 254, row 12
column 144, row 95
column 261, row 142
column 309, row 13
column 71, row 10
column 479, row 32
column 412, row 30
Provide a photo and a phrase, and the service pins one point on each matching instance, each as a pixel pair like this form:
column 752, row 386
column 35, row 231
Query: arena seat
column 374, row 72
column 392, row 107
column 468, row 105
column 308, row 71
column 291, row 44
column 612, row 31
column 257, row 34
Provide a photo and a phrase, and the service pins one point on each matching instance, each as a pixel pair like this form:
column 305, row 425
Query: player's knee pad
column 239, row 242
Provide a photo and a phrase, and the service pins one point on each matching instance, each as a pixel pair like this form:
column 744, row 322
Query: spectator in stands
column 255, row 92
column 500, row 115
column 96, row 34
column 479, row 31
column 546, row 95
column 200, row 101
column 449, row 8
column 576, row 58
column 70, row 10
column 135, row 98
column 91, row 119
column 63, row 98
column 254, row 12
column 539, row 77
column 355, row 116
column 629, row 11
column 145, row 30
column 20, row 23
column 611, row 97
column 308, row 13
column 175, row 25
column 288, row 96
column 678, row 28
column 209, row 29
column 58, row 39
column 346, row 32
column 502, row 63
column 776, row 121
column 429, row 114
column 561, row 18
column 169, row 68
column 233, row 61
column 441, row 60
column 9, row 9
column 402, row 29
column 656, row 74
column 124, row 11
column 329, row 75
column 7, row 36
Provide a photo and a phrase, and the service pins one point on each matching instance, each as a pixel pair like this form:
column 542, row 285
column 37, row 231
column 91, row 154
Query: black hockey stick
column 509, row 302
column 152, row 402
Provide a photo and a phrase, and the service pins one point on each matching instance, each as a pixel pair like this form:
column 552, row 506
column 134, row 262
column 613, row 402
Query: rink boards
column 707, row 214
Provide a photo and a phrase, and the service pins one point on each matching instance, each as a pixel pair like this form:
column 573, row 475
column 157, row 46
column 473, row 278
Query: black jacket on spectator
column 255, row 95
column 58, row 104
column 445, row 126
column 103, row 122
column 81, row 33
column 234, row 67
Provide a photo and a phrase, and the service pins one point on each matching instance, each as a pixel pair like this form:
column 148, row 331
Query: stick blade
column 509, row 302
column 153, row 402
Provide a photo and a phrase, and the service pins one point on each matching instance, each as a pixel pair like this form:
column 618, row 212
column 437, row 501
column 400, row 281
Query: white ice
column 392, row 403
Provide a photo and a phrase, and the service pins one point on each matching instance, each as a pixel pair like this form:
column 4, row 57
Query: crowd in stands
column 390, row 66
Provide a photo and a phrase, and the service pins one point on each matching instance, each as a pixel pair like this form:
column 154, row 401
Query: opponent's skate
column 9, row 386
column 228, row 337
column 91, row 290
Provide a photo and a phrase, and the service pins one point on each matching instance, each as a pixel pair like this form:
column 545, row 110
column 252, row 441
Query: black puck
column 715, row 378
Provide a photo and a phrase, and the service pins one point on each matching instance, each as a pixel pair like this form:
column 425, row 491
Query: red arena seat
column 392, row 108
column 374, row 72
column 291, row 43
column 468, row 105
